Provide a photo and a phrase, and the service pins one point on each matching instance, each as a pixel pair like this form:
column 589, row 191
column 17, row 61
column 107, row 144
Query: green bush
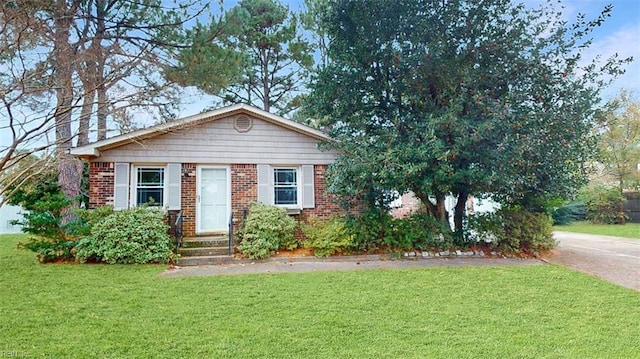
column 53, row 241
column 43, row 222
column 265, row 230
column 44, row 218
column 568, row 213
column 525, row 230
column 137, row 235
column 50, row 249
column 485, row 228
column 53, row 238
column 371, row 230
column 603, row 204
column 513, row 230
column 327, row 237
column 420, row 231
column 377, row 229
column 86, row 219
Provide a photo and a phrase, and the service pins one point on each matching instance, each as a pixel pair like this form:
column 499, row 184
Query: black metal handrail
column 230, row 233
column 178, row 228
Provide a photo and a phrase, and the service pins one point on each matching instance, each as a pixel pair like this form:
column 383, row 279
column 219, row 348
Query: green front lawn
column 102, row 311
column 628, row 230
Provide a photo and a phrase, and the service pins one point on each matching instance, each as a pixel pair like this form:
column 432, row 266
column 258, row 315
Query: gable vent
column 242, row 123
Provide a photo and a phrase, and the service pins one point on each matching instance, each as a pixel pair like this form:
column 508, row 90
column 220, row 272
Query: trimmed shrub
column 266, row 229
column 525, row 230
column 86, row 219
column 327, row 237
column 514, row 230
column 137, row 235
column 485, row 228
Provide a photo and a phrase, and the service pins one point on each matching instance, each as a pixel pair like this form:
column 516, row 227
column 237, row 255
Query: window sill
column 293, row 210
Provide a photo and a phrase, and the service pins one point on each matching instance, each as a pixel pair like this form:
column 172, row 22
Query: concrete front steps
column 196, row 251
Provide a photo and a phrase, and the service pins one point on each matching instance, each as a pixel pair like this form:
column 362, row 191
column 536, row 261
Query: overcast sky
column 619, row 34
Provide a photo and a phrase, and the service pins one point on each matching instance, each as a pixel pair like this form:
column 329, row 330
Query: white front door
column 213, row 199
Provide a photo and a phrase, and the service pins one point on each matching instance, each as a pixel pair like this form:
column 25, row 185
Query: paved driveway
column 613, row 259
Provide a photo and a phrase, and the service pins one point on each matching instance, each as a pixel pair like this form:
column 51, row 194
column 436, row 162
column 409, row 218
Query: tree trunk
column 102, row 105
column 88, row 82
column 101, row 86
column 70, row 168
column 437, row 210
column 265, row 82
column 441, row 213
column 459, row 211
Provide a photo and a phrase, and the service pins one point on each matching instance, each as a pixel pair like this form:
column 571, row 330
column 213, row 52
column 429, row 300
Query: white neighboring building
column 409, row 203
column 9, row 213
column 486, row 205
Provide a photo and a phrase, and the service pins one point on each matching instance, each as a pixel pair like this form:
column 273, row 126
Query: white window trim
column 133, row 195
column 272, row 186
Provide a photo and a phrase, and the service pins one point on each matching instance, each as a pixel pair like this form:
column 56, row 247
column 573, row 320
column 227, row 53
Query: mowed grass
column 628, row 230
column 101, row 311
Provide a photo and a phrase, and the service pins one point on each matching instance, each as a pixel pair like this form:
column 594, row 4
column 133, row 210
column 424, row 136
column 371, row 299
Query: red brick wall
column 244, row 189
column 100, row 184
column 188, row 199
column 326, row 204
column 410, row 204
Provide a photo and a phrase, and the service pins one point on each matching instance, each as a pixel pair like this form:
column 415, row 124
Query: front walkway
column 311, row 264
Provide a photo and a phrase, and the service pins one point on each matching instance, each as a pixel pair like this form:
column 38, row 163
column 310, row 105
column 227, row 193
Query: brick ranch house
column 211, row 165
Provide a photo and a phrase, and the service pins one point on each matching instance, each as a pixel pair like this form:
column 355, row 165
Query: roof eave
column 85, row 151
column 93, row 150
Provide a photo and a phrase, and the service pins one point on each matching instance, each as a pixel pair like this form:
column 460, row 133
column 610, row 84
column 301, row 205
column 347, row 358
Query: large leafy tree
column 619, row 142
column 265, row 58
column 458, row 98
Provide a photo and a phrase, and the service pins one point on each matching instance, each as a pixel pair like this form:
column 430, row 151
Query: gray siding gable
column 218, row 142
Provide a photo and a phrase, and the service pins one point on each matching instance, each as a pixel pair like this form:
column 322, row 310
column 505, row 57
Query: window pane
column 286, row 195
column 150, row 176
column 285, row 176
column 150, row 186
column 153, row 196
column 285, row 183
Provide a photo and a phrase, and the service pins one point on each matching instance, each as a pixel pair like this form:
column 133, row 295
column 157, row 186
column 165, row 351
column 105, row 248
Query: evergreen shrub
column 266, row 229
column 138, row 235
column 603, row 204
column 327, row 237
